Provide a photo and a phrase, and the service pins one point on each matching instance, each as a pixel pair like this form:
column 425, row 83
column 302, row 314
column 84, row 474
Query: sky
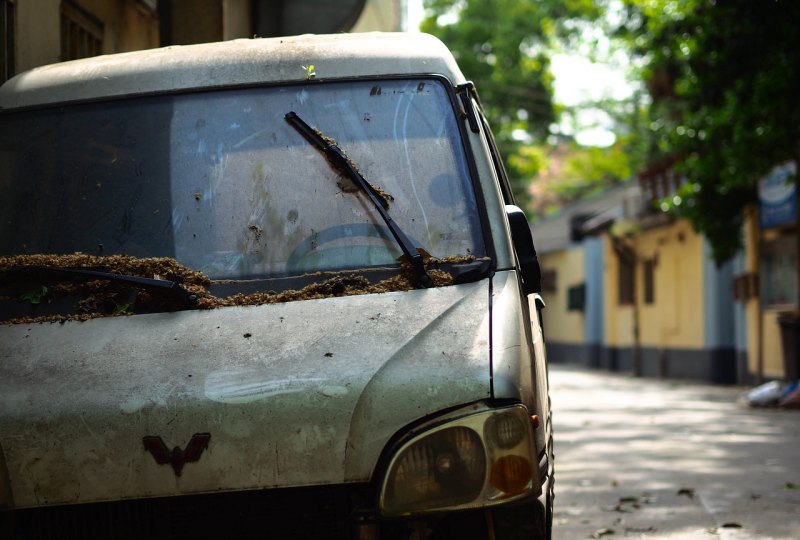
column 577, row 80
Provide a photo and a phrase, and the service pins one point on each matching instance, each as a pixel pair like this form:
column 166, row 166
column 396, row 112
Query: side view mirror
column 521, row 237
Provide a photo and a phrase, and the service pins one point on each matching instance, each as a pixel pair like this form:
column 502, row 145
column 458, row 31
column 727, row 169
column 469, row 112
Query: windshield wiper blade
column 342, row 163
column 161, row 286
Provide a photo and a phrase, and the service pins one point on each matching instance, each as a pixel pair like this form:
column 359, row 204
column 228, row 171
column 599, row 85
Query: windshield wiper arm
column 161, row 286
column 342, row 163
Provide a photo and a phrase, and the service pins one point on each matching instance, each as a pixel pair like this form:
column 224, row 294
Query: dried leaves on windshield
column 95, row 298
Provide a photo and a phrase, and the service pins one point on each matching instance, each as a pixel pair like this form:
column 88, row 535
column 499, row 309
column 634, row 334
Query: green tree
column 504, row 47
column 588, row 171
column 724, row 76
column 584, row 171
column 573, row 172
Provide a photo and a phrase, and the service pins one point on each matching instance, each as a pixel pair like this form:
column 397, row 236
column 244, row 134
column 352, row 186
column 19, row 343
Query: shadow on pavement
column 648, row 458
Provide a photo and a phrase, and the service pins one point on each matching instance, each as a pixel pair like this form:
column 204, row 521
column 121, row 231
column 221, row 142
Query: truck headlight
column 476, row 460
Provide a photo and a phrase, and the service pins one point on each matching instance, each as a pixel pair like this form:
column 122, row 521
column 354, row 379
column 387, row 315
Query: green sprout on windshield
column 310, row 73
column 36, row 296
column 121, row 308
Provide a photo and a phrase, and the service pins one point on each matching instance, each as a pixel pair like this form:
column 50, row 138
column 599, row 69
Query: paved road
column 643, row 458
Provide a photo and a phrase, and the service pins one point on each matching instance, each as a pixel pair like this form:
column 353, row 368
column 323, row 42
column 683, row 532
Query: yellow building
column 633, row 292
column 629, row 288
column 767, row 284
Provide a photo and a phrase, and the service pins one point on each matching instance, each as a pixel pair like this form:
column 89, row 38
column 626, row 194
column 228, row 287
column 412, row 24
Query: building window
column 659, row 182
column 576, row 298
column 548, row 281
column 649, row 281
column 779, row 263
column 745, row 286
column 81, row 33
column 625, row 279
column 8, row 22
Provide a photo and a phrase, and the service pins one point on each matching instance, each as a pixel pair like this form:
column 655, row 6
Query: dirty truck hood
column 291, row 394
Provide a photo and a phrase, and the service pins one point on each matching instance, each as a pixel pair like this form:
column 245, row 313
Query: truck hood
column 291, row 394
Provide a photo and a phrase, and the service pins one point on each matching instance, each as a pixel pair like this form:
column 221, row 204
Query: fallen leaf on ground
column 639, row 529
column 618, row 508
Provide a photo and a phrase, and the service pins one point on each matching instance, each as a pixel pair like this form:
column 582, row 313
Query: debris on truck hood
column 98, row 297
column 292, row 394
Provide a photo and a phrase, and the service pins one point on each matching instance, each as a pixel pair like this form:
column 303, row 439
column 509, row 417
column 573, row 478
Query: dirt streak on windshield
column 101, row 298
column 345, row 183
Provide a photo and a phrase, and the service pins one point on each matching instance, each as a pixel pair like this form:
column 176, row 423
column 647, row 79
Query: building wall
column 676, row 317
column 618, row 318
column 773, row 348
column 694, row 327
column 595, row 293
column 740, row 326
column 752, row 305
column 719, row 313
column 772, row 345
column 686, row 331
column 127, row 25
column 566, row 330
column 236, row 19
column 382, row 15
column 764, row 347
column 38, row 33
column 139, row 28
column 561, row 325
column 130, row 25
column 196, row 21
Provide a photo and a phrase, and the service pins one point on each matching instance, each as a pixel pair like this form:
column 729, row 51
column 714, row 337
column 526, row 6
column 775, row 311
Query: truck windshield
column 221, row 183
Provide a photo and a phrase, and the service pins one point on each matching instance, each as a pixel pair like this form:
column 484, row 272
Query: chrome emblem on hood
column 177, row 457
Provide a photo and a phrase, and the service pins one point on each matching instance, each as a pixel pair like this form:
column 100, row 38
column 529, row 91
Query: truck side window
column 505, row 188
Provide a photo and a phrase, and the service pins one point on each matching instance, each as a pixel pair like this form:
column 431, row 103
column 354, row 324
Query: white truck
column 267, row 288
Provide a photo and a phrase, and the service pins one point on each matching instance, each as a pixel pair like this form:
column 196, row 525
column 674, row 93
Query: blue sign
column 777, row 197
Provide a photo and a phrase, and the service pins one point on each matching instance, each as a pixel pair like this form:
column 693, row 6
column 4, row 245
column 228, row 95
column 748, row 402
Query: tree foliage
column 504, row 47
column 724, row 76
column 572, row 172
column 577, row 172
column 588, row 171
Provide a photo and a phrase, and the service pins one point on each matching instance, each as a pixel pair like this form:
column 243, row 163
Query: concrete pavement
column 645, row 458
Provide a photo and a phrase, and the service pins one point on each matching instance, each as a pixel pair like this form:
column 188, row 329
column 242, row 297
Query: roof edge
column 231, row 63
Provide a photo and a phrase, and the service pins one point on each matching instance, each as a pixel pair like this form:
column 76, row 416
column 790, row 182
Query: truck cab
column 266, row 288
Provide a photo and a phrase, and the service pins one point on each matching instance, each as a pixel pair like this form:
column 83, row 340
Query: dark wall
column 201, row 21
column 184, row 22
column 714, row 365
column 292, row 17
